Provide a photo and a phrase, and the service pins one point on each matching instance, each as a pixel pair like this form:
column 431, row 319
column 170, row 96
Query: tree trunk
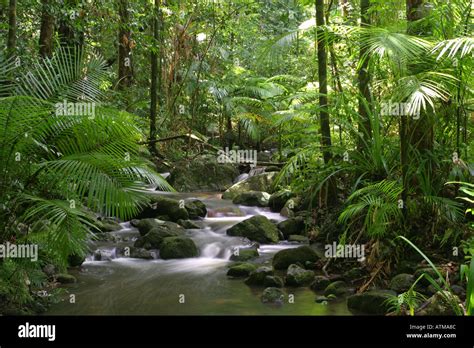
column 154, row 78
column 67, row 34
column 323, row 83
column 47, row 30
column 11, row 40
column 125, row 71
column 365, row 98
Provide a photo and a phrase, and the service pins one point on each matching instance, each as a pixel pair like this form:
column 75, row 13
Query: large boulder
column 278, row 199
column 258, row 228
column 241, row 270
column 196, row 209
column 178, row 248
column 252, row 198
column 154, row 238
column 261, row 182
column 203, row 174
column 401, row 282
column 292, row 226
column 284, row 258
column 273, row 295
column 297, row 276
column 244, row 254
column 164, row 208
column 258, row 276
column 371, row 302
column 320, row 283
column 146, row 225
column 273, row 281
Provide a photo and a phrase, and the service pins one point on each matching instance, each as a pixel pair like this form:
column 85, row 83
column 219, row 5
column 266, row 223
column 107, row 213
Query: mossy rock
column 146, row 225
column 320, row 283
column 337, row 288
column 64, row 278
column 245, row 254
column 298, row 276
column 188, row 224
column 196, row 209
column 292, row 226
column 252, row 198
column 298, row 239
column 273, row 281
column 257, row 277
column 241, row 270
column 284, row 258
column 273, row 295
column 441, row 303
column 75, row 260
column 165, row 208
column 401, row 282
column 278, row 199
column 258, row 228
column 371, row 302
column 178, row 248
column 261, row 182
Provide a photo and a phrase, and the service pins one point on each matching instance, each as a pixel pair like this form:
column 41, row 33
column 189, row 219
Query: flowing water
column 194, row 286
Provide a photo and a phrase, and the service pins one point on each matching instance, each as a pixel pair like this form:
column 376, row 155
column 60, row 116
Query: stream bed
column 194, row 286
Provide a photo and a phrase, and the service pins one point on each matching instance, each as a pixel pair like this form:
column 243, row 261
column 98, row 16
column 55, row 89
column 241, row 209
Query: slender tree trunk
column 11, row 40
column 125, row 70
column 68, row 36
column 323, row 83
column 154, row 78
column 46, row 30
column 365, row 98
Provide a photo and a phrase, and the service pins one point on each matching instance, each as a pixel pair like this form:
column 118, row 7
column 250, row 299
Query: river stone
column 337, row 288
column 65, row 278
column 299, row 239
column 153, row 239
column 261, row 182
column 188, row 224
column 178, row 248
column 441, row 304
column 371, row 302
column 273, row 295
column 273, row 281
column 292, row 226
column 320, row 283
column 241, row 270
column 297, row 276
column 166, row 208
column 290, row 207
column 401, row 282
column 284, row 258
column 196, row 209
column 252, row 198
column 140, row 253
column 354, row 273
column 278, row 199
column 258, row 228
column 146, row 225
column 108, row 225
column 245, row 254
column 257, row 277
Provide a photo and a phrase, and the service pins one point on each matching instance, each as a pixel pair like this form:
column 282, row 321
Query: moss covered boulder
column 337, row 288
column 261, row 182
column 166, row 208
column 203, row 174
column 298, row 276
column 284, row 258
column 371, row 302
column 273, row 281
column 401, row 282
column 273, row 295
column 258, row 228
column 178, row 248
column 244, row 254
column 292, row 226
column 146, row 225
column 252, row 198
column 278, row 199
column 196, row 209
column 258, row 276
column 242, row 270
column 64, row 278
column 319, row 283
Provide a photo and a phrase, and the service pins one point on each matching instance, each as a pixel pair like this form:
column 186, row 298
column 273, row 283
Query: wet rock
column 146, row 225
column 188, row 224
column 244, row 254
column 354, row 273
column 273, row 295
column 297, row 276
column 273, row 281
column 154, row 238
column 371, row 302
column 297, row 238
column 337, row 288
column 178, row 248
column 75, row 260
column 140, row 253
column 65, row 278
column 258, row 228
column 284, row 258
column 401, row 282
column 292, row 226
column 241, row 270
column 257, row 277
column 261, row 182
column 196, row 209
column 320, row 283
column 166, row 208
column 252, row 198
